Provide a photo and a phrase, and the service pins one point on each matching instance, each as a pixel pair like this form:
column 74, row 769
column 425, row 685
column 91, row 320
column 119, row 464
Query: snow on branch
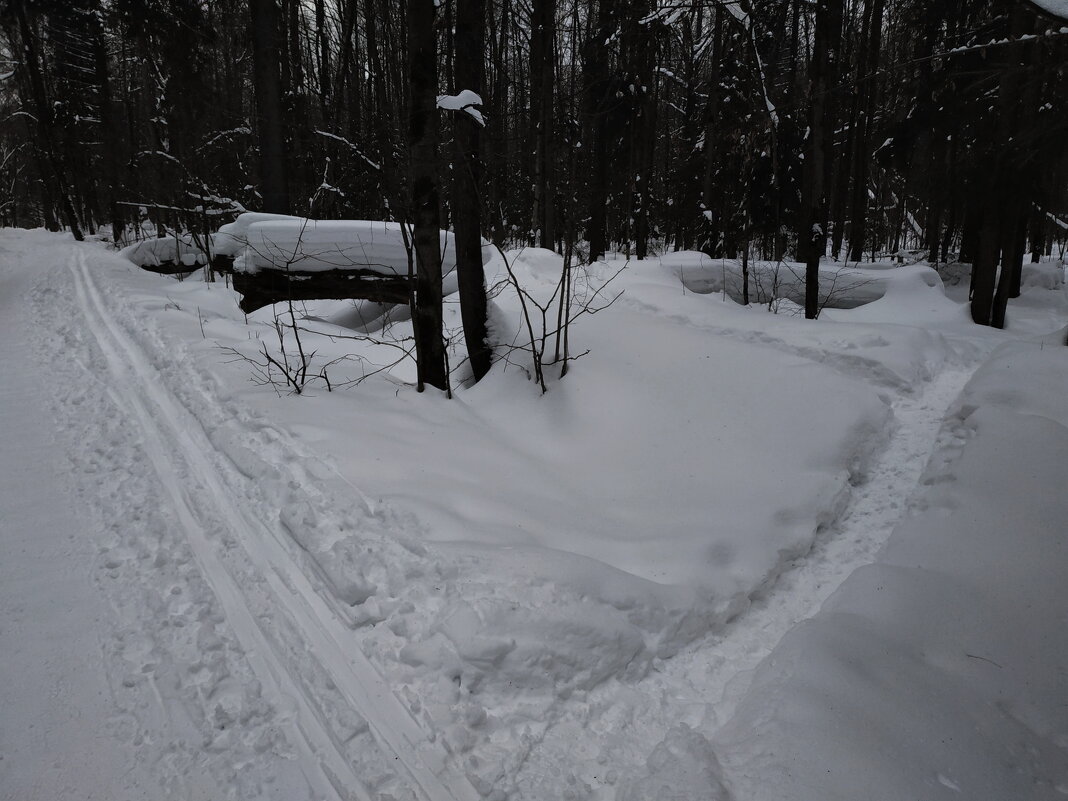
column 465, row 101
column 1058, row 221
column 351, row 146
column 240, row 130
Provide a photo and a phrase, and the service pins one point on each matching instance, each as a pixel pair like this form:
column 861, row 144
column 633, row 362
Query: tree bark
column 811, row 238
column 266, row 57
column 597, row 83
column 542, row 82
column 422, row 143
column 467, row 209
column 858, row 213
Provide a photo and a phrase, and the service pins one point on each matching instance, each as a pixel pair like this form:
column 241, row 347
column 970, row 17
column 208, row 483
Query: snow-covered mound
column 184, row 250
column 1045, row 275
column 841, row 286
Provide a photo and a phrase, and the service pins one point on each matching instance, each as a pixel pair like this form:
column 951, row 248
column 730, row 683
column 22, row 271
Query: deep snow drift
column 372, row 593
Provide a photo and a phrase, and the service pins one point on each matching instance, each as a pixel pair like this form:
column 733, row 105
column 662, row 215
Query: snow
column 465, row 101
column 1058, row 8
column 708, row 563
column 182, row 248
column 231, row 238
column 51, row 617
column 281, row 243
column 956, row 631
column 841, row 286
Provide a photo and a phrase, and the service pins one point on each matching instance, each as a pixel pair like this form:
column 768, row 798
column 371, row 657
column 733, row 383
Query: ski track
column 179, row 451
column 702, row 685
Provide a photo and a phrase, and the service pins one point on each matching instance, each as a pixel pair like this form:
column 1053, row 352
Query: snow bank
column 938, row 671
column 182, row 249
column 900, row 355
column 1044, row 275
column 841, row 287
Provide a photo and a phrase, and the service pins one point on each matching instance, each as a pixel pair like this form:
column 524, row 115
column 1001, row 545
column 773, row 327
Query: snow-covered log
column 288, row 258
column 274, row 286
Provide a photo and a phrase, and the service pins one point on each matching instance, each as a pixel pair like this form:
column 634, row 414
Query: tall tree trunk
column 108, row 127
column 467, row 209
column 811, row 237
column 862, row 141
column 597, row 84
column 422, row 144
column 986, row 251
column 643, row 125
column 710, row 195
column 266, row 57
column 322, row 39
column 542, row 85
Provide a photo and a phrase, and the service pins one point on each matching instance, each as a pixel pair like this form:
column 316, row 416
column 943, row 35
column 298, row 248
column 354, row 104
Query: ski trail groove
column 169, row 428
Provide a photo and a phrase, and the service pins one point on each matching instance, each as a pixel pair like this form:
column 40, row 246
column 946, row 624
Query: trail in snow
column 852, row 541
column 178, row 451
column 702, row 685
column 55, row 704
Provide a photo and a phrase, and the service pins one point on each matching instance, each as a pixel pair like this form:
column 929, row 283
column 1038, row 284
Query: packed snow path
column 853, row 540
column 702, row 685
column 55, row 689
column 178, row 450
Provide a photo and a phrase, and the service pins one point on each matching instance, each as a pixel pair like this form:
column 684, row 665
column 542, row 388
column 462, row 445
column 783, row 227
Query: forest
column 533, row 400
column 764, row 129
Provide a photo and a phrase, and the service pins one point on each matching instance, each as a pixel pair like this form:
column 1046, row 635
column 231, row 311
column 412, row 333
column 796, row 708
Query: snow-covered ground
column 733, row 554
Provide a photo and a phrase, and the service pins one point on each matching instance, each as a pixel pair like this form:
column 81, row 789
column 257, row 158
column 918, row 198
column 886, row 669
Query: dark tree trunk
column 811, row 238
column 110, row 130
column 1038, row 235
column 709, row 194
column 266, row 57
column 858, row 212
column 542, row 85
column 1011, row 266
column 597, row 84
column 643, row 125
column 985, row 257
column 323, row 54
column 422, row 144
column 467, row 212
